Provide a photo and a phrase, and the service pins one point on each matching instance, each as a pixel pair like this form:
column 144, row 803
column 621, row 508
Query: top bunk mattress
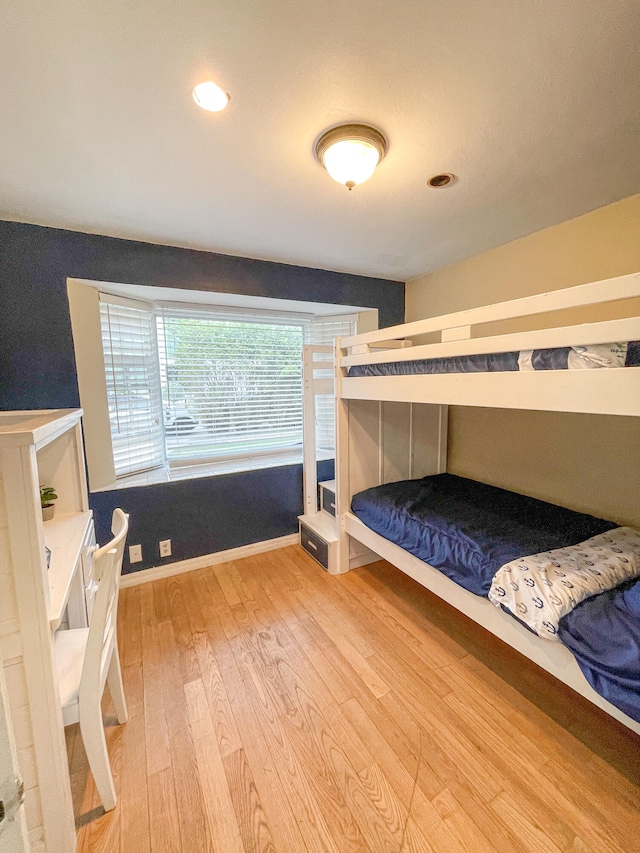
column 467, row 529
column 559, row 358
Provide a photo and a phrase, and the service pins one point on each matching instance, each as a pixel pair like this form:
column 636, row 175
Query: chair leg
column 116, row 688
column 95, row 744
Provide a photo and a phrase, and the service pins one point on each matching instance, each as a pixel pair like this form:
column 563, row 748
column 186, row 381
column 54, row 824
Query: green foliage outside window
column 226, row 372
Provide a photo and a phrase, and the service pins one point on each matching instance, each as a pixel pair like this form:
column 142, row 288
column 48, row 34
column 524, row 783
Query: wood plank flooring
column 276, row 709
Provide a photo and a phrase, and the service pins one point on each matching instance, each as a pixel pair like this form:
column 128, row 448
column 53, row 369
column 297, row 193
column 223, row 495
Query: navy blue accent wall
column 37, row 370
column 205, row 515
column 325, row 470
column 220, row 512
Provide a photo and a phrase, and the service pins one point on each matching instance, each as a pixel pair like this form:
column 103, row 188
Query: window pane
column 133, row 387
column 230, row 386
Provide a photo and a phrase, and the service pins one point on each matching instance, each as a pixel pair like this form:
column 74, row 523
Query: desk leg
column 76, row 607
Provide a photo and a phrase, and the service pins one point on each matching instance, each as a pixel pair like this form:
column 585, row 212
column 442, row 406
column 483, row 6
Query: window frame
column 84, row 309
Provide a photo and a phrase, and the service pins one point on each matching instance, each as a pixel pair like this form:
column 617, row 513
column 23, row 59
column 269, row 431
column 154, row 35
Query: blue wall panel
column 37, row 369
column 205, row 515
column 217, row 513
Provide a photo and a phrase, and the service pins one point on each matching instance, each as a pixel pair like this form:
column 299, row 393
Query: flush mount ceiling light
column 210, row 96
column 351, row 152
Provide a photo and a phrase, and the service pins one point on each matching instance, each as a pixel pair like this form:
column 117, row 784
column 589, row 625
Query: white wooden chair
column 87, row 658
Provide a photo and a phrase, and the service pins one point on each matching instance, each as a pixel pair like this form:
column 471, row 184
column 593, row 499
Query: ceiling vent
column 444, row 179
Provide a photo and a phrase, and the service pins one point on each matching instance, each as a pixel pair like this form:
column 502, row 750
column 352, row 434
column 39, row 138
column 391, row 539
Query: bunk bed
column 392, row 398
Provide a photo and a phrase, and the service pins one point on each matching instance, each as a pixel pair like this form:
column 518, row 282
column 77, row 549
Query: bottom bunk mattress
column 466, row 529
column 603, row 633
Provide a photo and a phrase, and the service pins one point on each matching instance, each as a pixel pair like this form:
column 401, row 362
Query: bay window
column 194, row 384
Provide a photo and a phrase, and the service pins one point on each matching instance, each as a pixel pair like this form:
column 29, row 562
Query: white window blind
column 133, row 384
column 324, row 330
column 235, row 380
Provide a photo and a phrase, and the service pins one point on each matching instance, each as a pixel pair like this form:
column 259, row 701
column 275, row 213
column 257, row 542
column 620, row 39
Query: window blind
column 133, row 384
column 234, row 378
column 324, row 330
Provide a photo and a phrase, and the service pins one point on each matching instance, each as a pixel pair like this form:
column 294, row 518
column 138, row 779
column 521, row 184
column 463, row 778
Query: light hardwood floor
column 276, row 708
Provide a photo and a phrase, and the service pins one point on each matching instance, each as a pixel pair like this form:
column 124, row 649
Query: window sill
column 210, row 469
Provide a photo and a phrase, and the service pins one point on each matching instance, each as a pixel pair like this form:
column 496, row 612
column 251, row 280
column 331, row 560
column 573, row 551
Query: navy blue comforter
column 604, row 635
column 469, row 529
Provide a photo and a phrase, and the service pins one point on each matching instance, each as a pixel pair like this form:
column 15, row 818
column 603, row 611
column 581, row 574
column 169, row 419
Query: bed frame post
column 343, row 496
column 443, row 437
column 309, row 434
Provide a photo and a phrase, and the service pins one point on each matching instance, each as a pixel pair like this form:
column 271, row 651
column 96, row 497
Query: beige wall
column 586, row 462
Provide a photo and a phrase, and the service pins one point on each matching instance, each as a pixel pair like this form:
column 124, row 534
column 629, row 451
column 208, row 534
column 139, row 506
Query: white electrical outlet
column 135, row 553
column 165, row 548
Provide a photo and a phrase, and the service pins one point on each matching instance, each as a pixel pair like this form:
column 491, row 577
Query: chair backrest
column 107, row 566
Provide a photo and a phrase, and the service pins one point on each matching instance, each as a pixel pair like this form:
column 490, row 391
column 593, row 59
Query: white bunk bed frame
column 316, row 524
column 391, row 428
column 318, row 519
column 313, row 385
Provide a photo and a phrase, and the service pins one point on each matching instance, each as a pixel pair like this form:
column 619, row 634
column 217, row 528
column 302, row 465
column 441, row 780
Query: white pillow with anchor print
column 542, row 588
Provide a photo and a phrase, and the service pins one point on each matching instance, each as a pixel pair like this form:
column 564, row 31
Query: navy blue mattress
column 603, row 633
column 469, row 529
column 542, row 359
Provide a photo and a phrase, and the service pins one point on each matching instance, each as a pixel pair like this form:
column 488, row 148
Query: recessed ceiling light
column 210, row 96
column 444, row 179
column 351, row 152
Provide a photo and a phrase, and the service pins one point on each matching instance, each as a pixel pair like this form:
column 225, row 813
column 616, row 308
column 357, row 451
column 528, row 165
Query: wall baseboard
column 363, row 558
column 170, row 569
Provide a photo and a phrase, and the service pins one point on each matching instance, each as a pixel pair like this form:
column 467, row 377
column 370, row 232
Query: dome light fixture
column 209, row 96
column 351, row 152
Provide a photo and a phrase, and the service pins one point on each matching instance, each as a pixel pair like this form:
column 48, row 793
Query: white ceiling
column 535, row 105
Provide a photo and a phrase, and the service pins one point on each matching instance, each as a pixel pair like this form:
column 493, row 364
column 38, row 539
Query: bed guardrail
column 456, row 330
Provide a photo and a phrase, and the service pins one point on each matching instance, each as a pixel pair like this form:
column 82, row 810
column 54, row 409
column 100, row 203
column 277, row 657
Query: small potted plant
column 47, row 497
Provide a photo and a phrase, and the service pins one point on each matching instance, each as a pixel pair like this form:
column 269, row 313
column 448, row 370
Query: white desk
column 66, row 536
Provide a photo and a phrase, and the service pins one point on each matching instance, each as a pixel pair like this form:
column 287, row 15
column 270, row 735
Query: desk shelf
column 42, row 448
